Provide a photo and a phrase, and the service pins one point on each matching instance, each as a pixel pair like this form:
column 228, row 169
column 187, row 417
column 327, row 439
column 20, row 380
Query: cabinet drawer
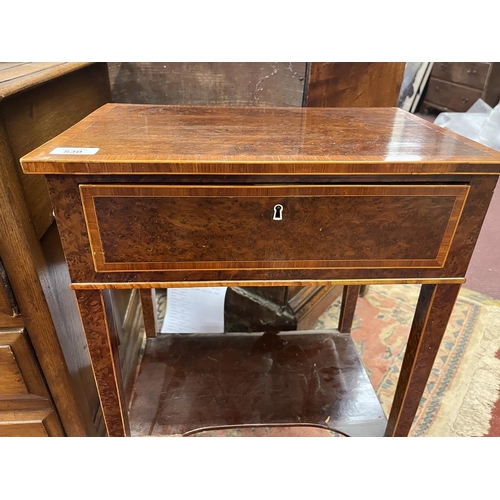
column 25, row 405
column 451, row 96
column 19, row 373
column 153, row 228
column 33, row 423
column 469, row 74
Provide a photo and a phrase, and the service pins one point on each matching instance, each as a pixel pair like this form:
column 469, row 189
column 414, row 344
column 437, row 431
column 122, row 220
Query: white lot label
column 74, row 151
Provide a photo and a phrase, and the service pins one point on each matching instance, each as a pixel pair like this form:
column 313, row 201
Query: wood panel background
column 225, row 84
column 348, row 84
column 257, row 84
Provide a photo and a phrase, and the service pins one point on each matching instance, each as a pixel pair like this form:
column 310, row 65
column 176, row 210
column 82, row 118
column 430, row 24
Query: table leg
column 103, row 352
column 433, row 311
column 148, row 303
column 349, row 300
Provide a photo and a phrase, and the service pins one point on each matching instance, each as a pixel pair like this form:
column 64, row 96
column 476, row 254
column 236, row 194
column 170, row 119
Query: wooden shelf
column 191, row 382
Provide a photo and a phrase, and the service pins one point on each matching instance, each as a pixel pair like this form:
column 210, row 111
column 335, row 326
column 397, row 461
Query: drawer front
column 451, row 96
column 25, row 405
column 19, row 373
column 155, row 228
column 32, row 423
column 469, row 74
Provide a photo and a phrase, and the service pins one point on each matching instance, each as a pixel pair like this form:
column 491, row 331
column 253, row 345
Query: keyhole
column 278, row 212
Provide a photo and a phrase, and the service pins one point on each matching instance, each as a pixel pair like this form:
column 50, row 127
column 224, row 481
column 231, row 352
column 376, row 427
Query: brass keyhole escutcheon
column 278, row 212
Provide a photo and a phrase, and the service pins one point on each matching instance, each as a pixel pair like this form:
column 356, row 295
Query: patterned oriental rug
column 465, row 381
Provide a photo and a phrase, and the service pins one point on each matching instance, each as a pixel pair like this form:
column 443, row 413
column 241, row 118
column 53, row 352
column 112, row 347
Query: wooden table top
column 144, row 139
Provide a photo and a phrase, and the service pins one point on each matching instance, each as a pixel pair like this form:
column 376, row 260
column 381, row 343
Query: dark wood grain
column 208, row 83
column 349, row 299
column 105, row 364
column 148, row 305
column 339, row 84
column 162, row 139
column 200, row 227
column 190, row 382
column 434, row 308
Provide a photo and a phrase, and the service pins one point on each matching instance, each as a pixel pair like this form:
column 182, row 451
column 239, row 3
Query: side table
column 164, row 196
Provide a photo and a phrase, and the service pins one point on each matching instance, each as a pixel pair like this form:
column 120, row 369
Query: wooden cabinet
column 455, row 86
column 46, row 382
column 26, row 408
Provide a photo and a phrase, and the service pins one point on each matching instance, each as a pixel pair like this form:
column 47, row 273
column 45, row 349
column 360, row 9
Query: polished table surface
column 213, row 140
column 174, row 196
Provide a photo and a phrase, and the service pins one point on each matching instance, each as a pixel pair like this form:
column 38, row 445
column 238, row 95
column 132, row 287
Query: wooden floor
column 190, row 382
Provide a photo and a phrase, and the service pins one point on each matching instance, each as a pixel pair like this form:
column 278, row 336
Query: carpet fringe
column 467, row 405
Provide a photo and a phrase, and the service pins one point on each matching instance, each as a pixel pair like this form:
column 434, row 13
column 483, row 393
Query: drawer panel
column 25, row 405
column 470, row 74
column 19, row 373
column 154, row 228
column 33, row 423
column 450, row 96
